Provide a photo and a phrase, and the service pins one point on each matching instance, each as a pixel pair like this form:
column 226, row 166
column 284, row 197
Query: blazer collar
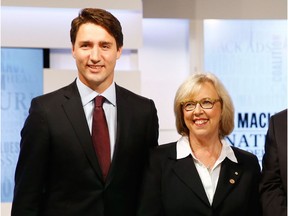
column 229, row 176
column 183, row 149
column 87, row 94
column 185, row 169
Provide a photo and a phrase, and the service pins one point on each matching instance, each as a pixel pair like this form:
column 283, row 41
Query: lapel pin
column 232, row 181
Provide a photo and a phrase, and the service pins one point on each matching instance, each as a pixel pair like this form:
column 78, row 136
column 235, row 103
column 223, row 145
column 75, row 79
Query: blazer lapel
column 122, row 118
column 75, row 113
column 187, row 172
column 229, row 177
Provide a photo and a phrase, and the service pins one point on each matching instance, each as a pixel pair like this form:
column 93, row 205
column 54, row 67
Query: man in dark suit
column 273, row 187
column 58, row 171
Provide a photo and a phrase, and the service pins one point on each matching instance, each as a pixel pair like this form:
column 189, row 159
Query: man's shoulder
column 67, row 91
column 167, row 149
column 129, row 95
column 282, row 115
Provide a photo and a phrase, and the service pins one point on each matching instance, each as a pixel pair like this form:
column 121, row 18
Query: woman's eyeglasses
column 205, row 103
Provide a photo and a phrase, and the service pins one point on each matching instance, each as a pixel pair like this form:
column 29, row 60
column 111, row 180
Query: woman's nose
column 198, row 108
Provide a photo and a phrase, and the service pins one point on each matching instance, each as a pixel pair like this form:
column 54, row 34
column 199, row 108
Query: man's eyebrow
column 105, row 42
column 85, row 42
column 101, row 43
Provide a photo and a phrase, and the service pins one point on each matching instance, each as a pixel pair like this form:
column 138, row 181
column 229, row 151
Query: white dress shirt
column 109, row 106
column 209, row 177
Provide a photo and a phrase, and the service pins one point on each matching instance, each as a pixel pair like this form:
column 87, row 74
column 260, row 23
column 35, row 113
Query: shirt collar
column 87, row 94
column 183, row 150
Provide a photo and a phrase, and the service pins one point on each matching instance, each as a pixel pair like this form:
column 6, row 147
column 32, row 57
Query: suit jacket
column 172, row 187
column 273, row 185
column 58, row 172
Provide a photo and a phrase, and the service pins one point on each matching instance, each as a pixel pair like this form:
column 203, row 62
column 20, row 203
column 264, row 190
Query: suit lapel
column 229, row 177
column 75, row 113
column 122, row 107
column 187, row 172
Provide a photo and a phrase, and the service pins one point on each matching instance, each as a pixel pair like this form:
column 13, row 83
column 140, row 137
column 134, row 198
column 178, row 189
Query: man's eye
column 105, row 46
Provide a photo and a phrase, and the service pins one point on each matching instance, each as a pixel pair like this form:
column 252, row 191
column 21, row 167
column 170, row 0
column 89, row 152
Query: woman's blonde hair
column 188, row 90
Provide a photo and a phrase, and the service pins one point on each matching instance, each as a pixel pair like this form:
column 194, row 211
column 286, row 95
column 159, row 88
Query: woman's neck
column 206, row 151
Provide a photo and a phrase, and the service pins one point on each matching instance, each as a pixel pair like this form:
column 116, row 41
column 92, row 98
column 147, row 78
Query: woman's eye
column 190, row 105
column 206, row 102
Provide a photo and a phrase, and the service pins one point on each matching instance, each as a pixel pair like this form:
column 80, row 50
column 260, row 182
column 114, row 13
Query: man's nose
column 94, row 55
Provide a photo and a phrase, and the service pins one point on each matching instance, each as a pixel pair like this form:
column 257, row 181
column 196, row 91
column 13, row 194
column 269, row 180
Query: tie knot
column 99, row 100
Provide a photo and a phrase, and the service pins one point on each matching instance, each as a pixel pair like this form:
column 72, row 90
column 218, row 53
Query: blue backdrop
column 21, row 80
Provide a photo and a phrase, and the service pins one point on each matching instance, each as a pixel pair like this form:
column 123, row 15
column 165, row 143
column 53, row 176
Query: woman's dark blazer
column 173, row 187
column 58, row 172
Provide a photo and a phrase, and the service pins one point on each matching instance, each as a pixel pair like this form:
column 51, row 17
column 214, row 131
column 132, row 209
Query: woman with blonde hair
column 201, row 174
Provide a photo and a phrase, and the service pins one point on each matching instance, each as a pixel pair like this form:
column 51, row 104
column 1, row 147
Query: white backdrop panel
column 50, row 27
column 164, row 64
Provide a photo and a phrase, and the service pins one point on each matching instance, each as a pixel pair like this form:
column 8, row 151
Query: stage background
column 250, row 57
column 21, row 80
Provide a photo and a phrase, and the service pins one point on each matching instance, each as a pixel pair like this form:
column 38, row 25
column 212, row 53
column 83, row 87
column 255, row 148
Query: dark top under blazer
column 58, row 173
column 273, row 185
column 172, row 187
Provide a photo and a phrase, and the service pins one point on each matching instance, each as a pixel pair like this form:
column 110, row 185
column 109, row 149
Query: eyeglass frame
column 213, row 101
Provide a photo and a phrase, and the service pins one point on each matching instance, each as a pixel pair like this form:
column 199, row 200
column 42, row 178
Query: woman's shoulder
column 244, row 156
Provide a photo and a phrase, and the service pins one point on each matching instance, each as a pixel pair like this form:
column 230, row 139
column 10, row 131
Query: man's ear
column 119, row 52
column 72, row 51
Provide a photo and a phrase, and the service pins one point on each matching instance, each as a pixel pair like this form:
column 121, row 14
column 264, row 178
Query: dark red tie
column 100, row 136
